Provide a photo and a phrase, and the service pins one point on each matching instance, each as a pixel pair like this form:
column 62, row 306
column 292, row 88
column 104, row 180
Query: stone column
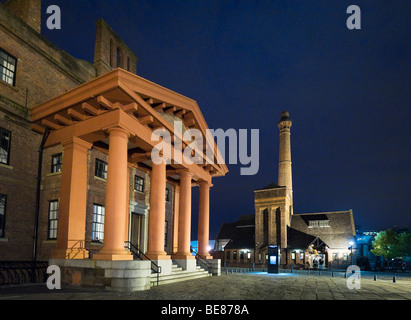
column 73, row 201
column 203, row 219
column 116, row 198
column 157, row 217
column 184, row 219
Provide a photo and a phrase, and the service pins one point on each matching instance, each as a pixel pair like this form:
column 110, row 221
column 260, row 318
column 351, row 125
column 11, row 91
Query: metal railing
column 202, row 261
column 19, row 272
column 140, row 255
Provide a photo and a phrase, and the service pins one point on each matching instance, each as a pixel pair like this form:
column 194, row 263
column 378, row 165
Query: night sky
column 348, row 91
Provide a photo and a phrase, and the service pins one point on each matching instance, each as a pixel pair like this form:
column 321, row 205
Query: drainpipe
column 37, row 210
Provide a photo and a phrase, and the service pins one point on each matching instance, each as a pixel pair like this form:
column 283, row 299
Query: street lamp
column 351, row 243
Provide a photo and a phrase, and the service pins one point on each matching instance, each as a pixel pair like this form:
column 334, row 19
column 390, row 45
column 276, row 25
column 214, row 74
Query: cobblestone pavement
column 246, row 286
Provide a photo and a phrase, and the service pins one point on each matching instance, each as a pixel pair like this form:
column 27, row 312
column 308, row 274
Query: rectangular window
column 167, row 195
column 165, row 233
column 3, row 200
column 56, row 161
column 138, row 183
column 97, row 229
column 7, row 68
column 101, row 169
column 335, row 256
column 293, row 256
column 345, row 256
column 5, row 137
column 318, row 223
column 53, row 219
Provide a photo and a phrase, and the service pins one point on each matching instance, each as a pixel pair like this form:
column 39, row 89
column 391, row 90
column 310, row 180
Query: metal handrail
column 139, row 254
column 18, row 272
column 202, row 261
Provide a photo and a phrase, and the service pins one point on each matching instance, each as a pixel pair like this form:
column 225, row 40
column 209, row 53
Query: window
column 165, row 233
column 97, row 228
column 335, row 256
column 168, row 195
column 3, row 200
column 56, row 163
column 293, row 256
column 7, row 68
column 5, row 137
column 301, row 255
column 318, row 223
column 53, row 219
column 345, row 256
column 138, row 183
column 101, row 169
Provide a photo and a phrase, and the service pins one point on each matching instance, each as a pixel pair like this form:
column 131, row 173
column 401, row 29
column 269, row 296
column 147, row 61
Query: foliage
column 390, row 245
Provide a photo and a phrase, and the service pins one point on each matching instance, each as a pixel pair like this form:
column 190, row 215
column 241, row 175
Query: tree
column 387, row 244
column 404, row 244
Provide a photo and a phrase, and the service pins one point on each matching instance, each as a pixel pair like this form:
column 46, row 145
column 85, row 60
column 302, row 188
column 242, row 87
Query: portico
column 117, row 113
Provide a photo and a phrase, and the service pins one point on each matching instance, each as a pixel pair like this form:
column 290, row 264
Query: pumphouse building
column 306, row 241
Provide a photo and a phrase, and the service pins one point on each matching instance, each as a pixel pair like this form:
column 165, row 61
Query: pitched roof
column 243, row 238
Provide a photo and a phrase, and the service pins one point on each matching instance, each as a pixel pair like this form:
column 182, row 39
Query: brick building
column 44, row 111
column 312, row 240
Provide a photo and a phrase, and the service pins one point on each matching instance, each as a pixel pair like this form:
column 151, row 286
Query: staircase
column 178, row 274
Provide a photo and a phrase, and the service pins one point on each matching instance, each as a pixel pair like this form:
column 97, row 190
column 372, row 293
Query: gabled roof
column 139, row 98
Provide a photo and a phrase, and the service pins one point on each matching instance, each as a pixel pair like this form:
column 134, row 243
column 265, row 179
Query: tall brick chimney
column 27, row 10
column 284, row 163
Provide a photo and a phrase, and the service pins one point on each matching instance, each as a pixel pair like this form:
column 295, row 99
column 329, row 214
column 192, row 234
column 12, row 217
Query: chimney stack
column 27, row 10
column 284, row 164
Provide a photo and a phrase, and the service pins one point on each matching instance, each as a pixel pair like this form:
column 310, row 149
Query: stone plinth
column 122, row 276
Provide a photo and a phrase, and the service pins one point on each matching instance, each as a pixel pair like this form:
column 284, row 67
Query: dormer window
column 318, row 223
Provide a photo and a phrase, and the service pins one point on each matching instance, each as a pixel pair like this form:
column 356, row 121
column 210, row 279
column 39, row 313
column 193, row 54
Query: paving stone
column 249, row 286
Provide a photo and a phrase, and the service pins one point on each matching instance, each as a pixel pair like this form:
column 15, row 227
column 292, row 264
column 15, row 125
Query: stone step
column 178, row 274
column 176, row 278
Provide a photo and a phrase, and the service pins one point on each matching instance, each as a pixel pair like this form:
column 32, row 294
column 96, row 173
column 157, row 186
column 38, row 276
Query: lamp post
column 351, row 243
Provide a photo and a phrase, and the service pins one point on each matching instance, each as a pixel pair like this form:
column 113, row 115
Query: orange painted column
column 73, row 201
column 203, row 219
column 184, row 218
column 116, row 198
column 156, row 222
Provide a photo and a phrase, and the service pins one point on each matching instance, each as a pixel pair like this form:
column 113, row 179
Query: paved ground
column 245, row 286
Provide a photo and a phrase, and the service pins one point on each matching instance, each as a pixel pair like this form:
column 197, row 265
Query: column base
column 183, row 255
column 74, row 253
column 113, row 255
column 157, row 255
column 205, row 255
column 186, row 264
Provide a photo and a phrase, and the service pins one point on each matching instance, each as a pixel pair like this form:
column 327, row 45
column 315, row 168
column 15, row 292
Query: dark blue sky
column 348, row 91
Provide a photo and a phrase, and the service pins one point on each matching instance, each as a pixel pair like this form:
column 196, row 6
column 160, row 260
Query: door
column 136, row 227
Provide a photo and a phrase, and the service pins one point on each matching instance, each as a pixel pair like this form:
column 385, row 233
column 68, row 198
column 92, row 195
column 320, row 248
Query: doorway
column 136, row 233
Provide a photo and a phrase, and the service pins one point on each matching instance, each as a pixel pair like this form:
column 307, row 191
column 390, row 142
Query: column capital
column 184, row 172
column 75, row 141
column 119, row 130
column 204, row 184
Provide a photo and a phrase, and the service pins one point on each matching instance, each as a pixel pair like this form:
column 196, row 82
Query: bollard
column 394, row 279
column 375, row 277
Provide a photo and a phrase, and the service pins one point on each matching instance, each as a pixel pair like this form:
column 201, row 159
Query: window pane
column 7, row 67
column 4, row 146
